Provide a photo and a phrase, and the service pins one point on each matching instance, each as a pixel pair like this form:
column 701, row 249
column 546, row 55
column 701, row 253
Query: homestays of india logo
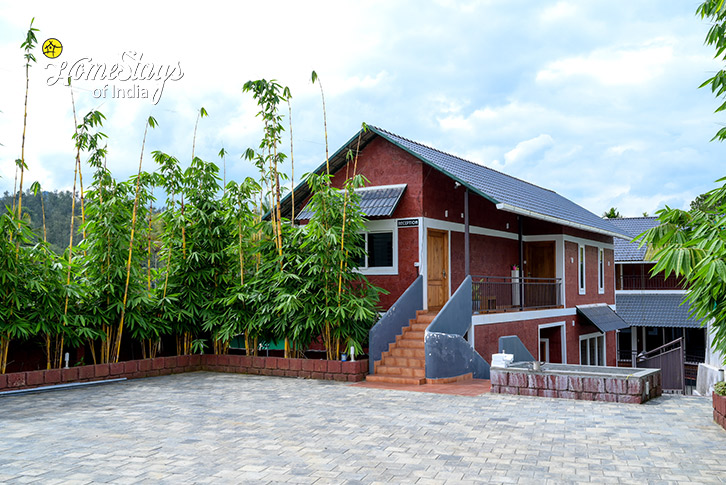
column 141, row 80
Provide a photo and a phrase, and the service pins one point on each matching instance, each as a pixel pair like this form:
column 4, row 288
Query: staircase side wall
column 447, row 353
column 393, row 321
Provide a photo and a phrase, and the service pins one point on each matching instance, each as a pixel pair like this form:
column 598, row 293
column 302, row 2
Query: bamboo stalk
column 148, row 254
column 80, row 171
column 70, row 249
column 292, row 165
column 119, row 333
column 325, row 120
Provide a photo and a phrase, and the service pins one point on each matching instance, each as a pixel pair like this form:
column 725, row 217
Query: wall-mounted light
column 457, row 185
column 446, row 213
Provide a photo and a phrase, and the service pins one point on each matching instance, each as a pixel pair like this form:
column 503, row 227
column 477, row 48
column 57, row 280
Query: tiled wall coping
column 589, row 387
column 719, row 410
column 241, row 364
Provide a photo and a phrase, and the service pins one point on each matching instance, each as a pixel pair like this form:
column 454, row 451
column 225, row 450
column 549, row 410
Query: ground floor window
column 592, row 349
column 380, row 252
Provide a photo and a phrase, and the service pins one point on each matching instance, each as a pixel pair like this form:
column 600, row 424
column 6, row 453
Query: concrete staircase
column 405, row 360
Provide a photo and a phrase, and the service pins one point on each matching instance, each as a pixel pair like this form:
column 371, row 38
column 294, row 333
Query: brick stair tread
column 406, row 352
column 419, row 362
column 400, row 371
column 410, row 344
column 396, row 379
column 412, row 334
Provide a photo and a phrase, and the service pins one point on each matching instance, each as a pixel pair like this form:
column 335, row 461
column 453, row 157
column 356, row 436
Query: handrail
column 507, row 293
column 454, row 318
column 652, row 353
column 447, row 353
column 391, row 324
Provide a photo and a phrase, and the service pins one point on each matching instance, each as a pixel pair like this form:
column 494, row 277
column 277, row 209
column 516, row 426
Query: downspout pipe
column 467, row 265
column 521, row 262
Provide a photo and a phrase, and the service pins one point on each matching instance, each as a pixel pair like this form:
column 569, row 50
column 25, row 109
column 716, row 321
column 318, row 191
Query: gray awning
column 656, row 310
column 603, row 317
column 378, row 201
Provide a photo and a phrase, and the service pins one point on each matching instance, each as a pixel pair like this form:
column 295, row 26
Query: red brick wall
column 486, row 337
column 383, row 163
column 490, row 256
column 407, row 272
column 592, row 294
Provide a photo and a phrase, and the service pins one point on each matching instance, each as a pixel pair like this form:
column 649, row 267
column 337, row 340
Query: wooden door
column 539, row 259
column 437, row 264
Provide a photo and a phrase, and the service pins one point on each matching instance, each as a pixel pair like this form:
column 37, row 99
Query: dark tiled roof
column 603, row 317
column 374, row 201
column 509, row 193
column 625, row 250
column 654, row 310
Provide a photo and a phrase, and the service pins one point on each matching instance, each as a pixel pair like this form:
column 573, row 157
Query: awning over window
column 603, row 317
column 378, row 201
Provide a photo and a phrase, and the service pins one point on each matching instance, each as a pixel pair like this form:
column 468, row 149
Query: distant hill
column 57, row 216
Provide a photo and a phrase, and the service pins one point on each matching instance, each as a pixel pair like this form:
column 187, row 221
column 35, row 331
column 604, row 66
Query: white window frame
column 381, row 227
column 546, row 357
column 589, row 337
column 581, row 269
column 600, row 271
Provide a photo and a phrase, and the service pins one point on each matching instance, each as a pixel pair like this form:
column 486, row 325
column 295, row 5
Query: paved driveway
column 226, row 428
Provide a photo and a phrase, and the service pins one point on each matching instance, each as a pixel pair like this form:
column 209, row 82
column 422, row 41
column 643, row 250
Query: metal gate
column 669, row 358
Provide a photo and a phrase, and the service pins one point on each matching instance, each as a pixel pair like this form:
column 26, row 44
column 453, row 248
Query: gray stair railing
column 393, row 321
column 447, row 353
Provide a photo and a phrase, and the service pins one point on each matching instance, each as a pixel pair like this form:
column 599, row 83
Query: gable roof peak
column 447, row 154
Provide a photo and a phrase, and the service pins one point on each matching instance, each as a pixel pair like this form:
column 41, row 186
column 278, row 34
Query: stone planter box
column 588, row 383
column 241, row 364
column 719, row 409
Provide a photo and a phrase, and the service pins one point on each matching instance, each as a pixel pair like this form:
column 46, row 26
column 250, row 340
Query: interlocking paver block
column 208, row 427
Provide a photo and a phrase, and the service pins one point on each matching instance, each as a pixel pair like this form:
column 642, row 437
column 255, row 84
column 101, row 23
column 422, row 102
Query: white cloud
column 559, row 11
column 613, row 66
column 528, row 148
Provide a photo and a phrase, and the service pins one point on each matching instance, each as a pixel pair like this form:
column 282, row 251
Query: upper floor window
column 581, row 268
column 601, row 270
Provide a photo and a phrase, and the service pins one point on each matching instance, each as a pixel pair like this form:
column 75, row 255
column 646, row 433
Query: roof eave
column 433, row 165
column 556, row 220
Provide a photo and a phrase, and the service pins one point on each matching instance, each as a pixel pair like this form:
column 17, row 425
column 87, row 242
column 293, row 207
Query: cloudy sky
column 596, row 100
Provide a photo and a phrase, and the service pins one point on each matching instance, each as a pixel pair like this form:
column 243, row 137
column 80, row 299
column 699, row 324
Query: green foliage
column 720, row 388
column 612, row 214
column 714, row 11
column 220, row 269
column 57, row 216
column 692, row 244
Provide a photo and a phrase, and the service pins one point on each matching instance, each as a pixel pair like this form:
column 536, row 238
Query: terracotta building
column 542, row 268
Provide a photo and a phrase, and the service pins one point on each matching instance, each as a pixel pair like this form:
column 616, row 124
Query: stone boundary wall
column 719, row 410
column 587, row 388
column 241, row 364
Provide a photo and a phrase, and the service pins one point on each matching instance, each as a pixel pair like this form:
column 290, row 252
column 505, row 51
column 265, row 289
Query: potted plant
column 719, row 403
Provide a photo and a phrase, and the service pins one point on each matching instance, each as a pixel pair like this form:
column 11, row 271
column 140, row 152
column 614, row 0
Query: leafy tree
column 612, row 214
column 692, row 244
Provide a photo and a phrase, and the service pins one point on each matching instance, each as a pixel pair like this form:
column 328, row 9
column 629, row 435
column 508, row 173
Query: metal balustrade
column 502, row 293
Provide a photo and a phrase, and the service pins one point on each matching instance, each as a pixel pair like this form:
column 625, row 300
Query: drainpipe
column 467, row 269
column 521, row 263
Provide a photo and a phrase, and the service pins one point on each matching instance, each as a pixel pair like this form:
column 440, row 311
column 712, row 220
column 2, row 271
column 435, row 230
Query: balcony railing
column 502, row 293
column 646, row 282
